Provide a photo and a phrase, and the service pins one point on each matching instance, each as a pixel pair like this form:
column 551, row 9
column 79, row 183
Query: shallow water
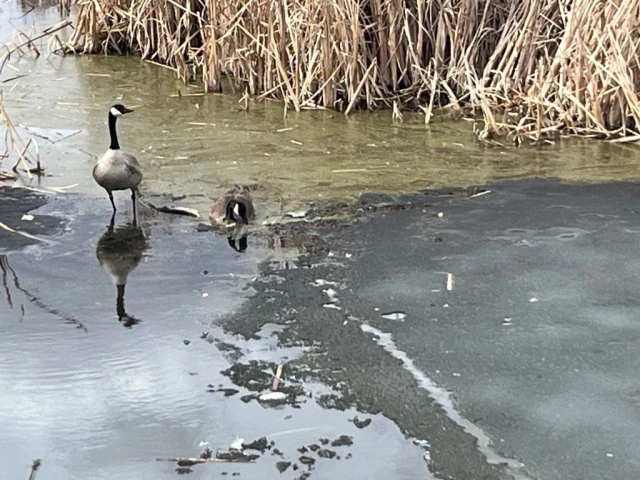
column 99, row 396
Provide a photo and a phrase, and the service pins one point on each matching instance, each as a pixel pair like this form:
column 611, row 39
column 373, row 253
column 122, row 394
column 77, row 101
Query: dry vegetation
column 18, row 151
column 532, row 68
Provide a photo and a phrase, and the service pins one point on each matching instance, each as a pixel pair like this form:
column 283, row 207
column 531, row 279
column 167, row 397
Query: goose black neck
column 112, row 132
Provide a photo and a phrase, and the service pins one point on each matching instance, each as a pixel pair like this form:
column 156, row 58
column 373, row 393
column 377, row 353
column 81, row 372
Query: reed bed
column 533, row 69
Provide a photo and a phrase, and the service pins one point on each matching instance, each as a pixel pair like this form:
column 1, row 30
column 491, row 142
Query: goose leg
column 113, row 204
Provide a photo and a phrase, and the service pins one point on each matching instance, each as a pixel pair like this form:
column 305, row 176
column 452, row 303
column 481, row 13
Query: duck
column 234, row 205
column 117, row 169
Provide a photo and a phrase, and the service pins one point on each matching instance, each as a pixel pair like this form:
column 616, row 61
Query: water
column 98, row 397
column 200, row 144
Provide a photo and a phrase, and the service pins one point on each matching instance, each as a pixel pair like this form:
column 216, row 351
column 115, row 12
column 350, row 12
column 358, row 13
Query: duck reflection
column 119, row 252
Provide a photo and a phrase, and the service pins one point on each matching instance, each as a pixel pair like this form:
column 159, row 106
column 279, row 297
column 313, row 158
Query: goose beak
column 127, row 110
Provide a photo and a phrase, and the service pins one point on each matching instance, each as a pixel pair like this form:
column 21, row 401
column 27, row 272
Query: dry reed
column 26, row 151
column 533, row 69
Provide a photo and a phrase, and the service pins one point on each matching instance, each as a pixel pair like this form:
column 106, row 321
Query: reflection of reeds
column 531, row 68
column 34, row 299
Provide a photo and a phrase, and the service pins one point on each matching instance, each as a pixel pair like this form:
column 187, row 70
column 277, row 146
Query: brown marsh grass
column 533, row 69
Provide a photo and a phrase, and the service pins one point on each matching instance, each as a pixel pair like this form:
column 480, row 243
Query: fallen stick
column 34, row 468
column 479, row 194
column 276, row 380
column 195, row 460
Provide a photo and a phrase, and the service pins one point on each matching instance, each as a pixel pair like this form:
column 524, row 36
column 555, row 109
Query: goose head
column 119, row 109
column 236, row 211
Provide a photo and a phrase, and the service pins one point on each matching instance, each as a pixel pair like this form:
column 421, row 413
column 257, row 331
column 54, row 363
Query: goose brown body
column 240, row 198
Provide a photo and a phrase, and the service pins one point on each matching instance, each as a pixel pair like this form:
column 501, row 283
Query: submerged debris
column 273, row 397
column 296, row 214
column 228, row 392
column 262, row 444
column 361, row 423
column 342, row 441
column 258, row 377
column 326, row 453
column 307, row 460
column 399, row 316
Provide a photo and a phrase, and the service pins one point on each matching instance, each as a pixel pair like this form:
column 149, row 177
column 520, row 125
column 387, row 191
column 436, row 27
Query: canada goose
column 234, row 205
column 119, row 251
column 117, row 170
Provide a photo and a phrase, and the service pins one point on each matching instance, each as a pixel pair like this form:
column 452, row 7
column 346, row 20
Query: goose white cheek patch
column 115, row 112
column 236, row 210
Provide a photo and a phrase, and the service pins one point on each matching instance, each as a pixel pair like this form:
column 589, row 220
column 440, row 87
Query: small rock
column 342, row 441
column 186, row 342
column 324, row 440
column 27, row 217
column 303, row 449
column 326, row 453
column 314, row 447
column 282, row 466
column 277, row 452
column 261, row 445
column 348, row 456
column 361, row 423
column 307, row 460
column 273, row 397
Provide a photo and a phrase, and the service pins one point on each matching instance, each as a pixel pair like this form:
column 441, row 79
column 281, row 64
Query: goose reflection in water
column 238, row 241
column 119, row 252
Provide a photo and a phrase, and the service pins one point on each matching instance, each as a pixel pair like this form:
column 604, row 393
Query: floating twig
column 276, row 379
column 187, row 461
